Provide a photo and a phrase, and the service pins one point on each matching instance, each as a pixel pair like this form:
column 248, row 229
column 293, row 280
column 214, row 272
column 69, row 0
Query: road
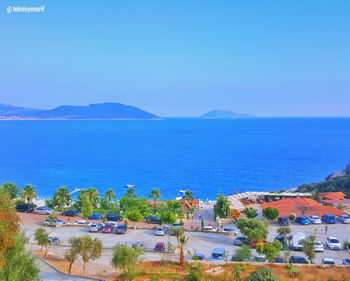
column 207, row 213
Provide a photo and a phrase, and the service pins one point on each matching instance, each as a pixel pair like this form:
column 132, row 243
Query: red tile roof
column 332, row 195
column 301, row 207
column 338, row 201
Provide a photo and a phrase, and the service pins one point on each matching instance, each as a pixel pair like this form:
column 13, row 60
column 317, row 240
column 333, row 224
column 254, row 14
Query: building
column 301, row 207
column 337, row 203
column 321, row 196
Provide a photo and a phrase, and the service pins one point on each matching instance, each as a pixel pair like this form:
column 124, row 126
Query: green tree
column 284, row 230
column 181, row 244
column 87, row 247
column 168, row 217
column 271, row 213
column 250, row 213
column 70, row 256
column 270, row 250
column 155, row 194
column 222, row 206
column 188, row 195
column 126, row 259
column 134, row 216
column 11, row 188
column 309, row 247
column 86, row 208
column 42, row 238
column 62, row 196
column 174, row 205
column 110, row 195
column 243, row 253
column 28, row 193
column 253, row 229
column 262, row 274
column 131, row 192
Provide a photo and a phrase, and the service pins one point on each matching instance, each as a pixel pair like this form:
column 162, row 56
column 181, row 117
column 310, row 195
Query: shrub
column 292, row 217
column 126, row 258
column 195, row 273
column 292, row 271
column 168, row 217
column 271, row 213
column 263, row 274
column 134, row 216
column 255, row 230
column 250, row 213
column 243, row 253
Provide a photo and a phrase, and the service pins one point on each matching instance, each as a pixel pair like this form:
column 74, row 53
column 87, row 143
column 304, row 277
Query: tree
column 126, row 258
column 11, row 188
column 243, row 253
column 284, row 230
column 62, row 196
column 87, row 247
column 70, row 256
column 262, row 274
column 28, row 193
column 188, row 195
column 309, row 247
column 92, row 193
column 110, row 195
column 168, row 218
column 134, row 216
column 181, row 244
column 271, row 213
column 131, row 192
column 255, row 230
column 270, row 250
column 222, row 206
column 86, row 207
column 42, row 238
column 155, row 194
column 250, row 213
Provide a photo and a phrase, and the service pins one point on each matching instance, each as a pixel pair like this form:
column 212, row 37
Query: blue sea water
column 206, row 156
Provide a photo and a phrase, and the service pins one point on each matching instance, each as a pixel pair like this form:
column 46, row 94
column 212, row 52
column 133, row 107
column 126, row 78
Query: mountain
column 104, row 111
column 224, row 114
column 336, row 182
column 7, row 110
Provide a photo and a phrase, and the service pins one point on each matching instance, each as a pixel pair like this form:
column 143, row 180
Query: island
column 224, row 114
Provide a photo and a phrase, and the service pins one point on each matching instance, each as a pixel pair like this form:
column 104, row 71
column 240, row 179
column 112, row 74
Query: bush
column 134, row 216
column 346, row 245
column 126, row 258
column 195, row 273
column 292, row 217
column 243, row 253
column 168, row 217
column 292, row 271
column 250, row 213
column 271, row 213
column 19, row 201
column 263, row 274
column 255, row 230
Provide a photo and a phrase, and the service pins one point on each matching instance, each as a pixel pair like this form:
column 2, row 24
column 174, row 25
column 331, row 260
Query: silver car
column 160, row 231
column 43, row 210
column 96, row 227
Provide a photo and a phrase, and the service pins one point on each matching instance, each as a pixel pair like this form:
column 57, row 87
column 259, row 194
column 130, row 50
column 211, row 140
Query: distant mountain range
column 224, row 114
column 105, row 111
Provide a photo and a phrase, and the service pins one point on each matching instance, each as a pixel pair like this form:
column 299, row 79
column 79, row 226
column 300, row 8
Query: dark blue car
column 95, row 216
column 329, row 218
column 303, row 220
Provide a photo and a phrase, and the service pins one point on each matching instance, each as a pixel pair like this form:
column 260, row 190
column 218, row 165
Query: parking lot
column 199, row 242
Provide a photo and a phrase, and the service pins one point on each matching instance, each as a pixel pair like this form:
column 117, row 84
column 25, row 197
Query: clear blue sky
column 180, row 58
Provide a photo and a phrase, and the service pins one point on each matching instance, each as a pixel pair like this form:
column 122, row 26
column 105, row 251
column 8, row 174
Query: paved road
column 207, row 213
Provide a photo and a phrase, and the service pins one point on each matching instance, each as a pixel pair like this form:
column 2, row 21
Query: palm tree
column 155, row 194
column 28, row 193
column 62, row 196
column 182, row 241
column 188, row 195
column 110, row 195
column 92, row 194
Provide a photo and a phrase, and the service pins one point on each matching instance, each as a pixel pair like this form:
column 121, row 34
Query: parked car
column 297, row 237
column 209, row 228
column 25, row 208
column 346, row 261
column 259, row 258
column 95, row 216
column 122, row 243
column 283, row 221
column 82, row 222
column 315, row 219
column 198, row 257
column 328, row 261
column 53, row 223
column 282, row 239
column 95, row 227
column 154, row 219
column 329, row 218
column 344, row 218
column 138, row 244
column 108, row 228
column 160, row 231
column 70, row 213
column 228, row 229
column 54, row 240
column 113, row 217
column 240, row 240
column 303, row 220
column 218, row 254
column 318, row 246
column 43, row 210
column 160, row 247
column 121, row 229
column 298, row 259
column 333, row 243
column 280, row 260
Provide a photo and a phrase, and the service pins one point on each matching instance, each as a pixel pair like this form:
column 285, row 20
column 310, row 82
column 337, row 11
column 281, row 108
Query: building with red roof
column 330, row 196
column 301, row 207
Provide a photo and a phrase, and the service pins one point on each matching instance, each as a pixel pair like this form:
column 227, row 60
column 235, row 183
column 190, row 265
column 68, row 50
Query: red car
column 253, row 244
column 108, row 228
column 160, row 246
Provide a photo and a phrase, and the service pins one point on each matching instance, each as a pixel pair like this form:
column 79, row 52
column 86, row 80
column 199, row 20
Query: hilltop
column 224, row 114
column 102, row 111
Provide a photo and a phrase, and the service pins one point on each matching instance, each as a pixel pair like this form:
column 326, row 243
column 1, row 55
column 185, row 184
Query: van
column 25, row 208
column 329, row 218
column 218, row 254
column 283, row 221
column 297, row 237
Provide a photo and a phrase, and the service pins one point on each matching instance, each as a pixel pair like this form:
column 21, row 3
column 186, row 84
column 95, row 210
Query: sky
column 179, row 58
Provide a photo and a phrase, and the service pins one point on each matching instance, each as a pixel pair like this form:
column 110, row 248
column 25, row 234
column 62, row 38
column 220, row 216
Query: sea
column 205, row 156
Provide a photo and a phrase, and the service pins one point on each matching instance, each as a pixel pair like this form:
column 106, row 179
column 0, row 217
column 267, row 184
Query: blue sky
column 180, row 58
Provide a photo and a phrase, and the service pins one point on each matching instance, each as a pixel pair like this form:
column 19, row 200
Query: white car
column 82, row 222
column 96, row 227
column 328, row 261
column 315, row 219
column 318, row 246
column 228, row 229
column 160, row 231
column 344, row 218
column 209, row 228
column 114, row 223
column 43, row 210
column 122, row 243
column 333, row 243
